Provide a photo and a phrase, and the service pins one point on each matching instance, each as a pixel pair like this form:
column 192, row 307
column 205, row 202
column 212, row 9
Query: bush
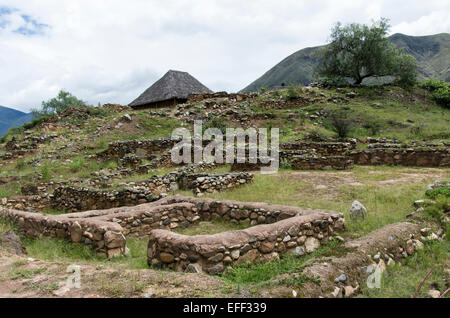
column 97, row 111
column 374, row 126
column 215, row 122
column 439, row 191
column 12, row 131
column 442, row 96
column 317, row 134
column 433, row 84
column 36, row 121
column 20, row 164
column 333, row 81
column 339, row 123
column 45, row 172
column 292, row 92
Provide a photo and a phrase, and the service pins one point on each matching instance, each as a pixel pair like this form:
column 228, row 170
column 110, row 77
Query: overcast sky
column 110, row 51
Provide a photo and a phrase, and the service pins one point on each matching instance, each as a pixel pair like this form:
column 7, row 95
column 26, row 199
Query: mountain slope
column 10, row 118
column 432, row 52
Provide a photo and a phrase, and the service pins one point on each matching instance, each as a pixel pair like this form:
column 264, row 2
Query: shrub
column 36, row 121
column 20, row 164
column 292, row 92
column 374, row 126
column 97, row 111
column 317, row 134
column 442, row 96
column 45, row 172
column 333, row 81
column 433, row 84
column 439, row 191
column 215, row 122
column 339, row 123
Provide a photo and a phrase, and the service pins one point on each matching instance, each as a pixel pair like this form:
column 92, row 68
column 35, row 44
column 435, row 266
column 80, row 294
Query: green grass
column 386, row 203
column 263, row 273
column 60, row 250
column 402, row 280
column 24, row 273
column 210, row 228
column 10, row 189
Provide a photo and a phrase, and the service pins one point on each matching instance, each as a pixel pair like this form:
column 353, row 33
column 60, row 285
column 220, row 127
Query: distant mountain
column 12, row 118
column 432, row 52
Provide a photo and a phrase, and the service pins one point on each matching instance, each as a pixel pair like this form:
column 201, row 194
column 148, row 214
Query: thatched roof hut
column 173, row 88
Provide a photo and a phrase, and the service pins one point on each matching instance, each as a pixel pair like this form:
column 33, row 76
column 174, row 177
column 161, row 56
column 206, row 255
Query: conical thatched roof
column 173, row 85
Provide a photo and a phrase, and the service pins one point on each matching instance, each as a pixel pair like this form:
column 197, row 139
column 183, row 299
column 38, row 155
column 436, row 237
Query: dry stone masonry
column 279, row 230
column 287, row 229
column 419, row 157
column 82, row 199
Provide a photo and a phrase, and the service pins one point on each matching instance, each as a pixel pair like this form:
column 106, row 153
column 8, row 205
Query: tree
column 359, row 51
column 58, row 104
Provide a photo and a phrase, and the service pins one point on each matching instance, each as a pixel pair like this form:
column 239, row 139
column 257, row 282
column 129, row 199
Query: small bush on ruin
column 20, row 164
column 292, row 92
column 340, row 123
column 45, row 173
column 374, row 126
column 215, row 122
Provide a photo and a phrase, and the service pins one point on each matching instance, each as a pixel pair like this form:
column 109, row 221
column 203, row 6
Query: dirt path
column 22, row 277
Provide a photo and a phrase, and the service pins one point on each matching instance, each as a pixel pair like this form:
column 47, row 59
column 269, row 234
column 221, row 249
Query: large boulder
column 358, row 211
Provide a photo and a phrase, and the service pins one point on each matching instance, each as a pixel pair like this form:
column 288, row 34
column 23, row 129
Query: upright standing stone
column 358, row 211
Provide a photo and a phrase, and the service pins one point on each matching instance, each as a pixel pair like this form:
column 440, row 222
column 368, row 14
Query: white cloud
column 110, row 51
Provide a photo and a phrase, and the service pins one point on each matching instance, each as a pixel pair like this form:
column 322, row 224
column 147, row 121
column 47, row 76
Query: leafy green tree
column 359, row 51
column 58, row 104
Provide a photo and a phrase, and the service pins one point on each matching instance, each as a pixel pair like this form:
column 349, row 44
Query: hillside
column 432, row 52
column 95, row 186
column 11, row 118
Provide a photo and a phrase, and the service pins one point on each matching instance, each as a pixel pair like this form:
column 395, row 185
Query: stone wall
column 142, row 148
column 321, row 163
column 301, row 160
column 213, row 253
column 420, row 157
column 105, row 237
column 72, row 199
column 106, row 230
column 321, row 148
column 201, row 183
column 194, row 98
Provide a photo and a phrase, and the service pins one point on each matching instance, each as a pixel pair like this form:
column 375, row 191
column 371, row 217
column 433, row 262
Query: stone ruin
column 276, row 230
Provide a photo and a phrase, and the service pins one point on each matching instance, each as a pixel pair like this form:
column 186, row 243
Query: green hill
column 10, row 118
column 432, row 52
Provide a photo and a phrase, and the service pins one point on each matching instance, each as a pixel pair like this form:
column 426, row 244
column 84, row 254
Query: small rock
column 337, row 293
column 311, row 244
column 390, row 262
column 432, row 237
column 194, row 268
column 358, row 211
column 299, row 251
column 434, row 293
column 410, row 247
column 166, row 257
column 342, row 278
column 349, row 291
column 418, row 245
